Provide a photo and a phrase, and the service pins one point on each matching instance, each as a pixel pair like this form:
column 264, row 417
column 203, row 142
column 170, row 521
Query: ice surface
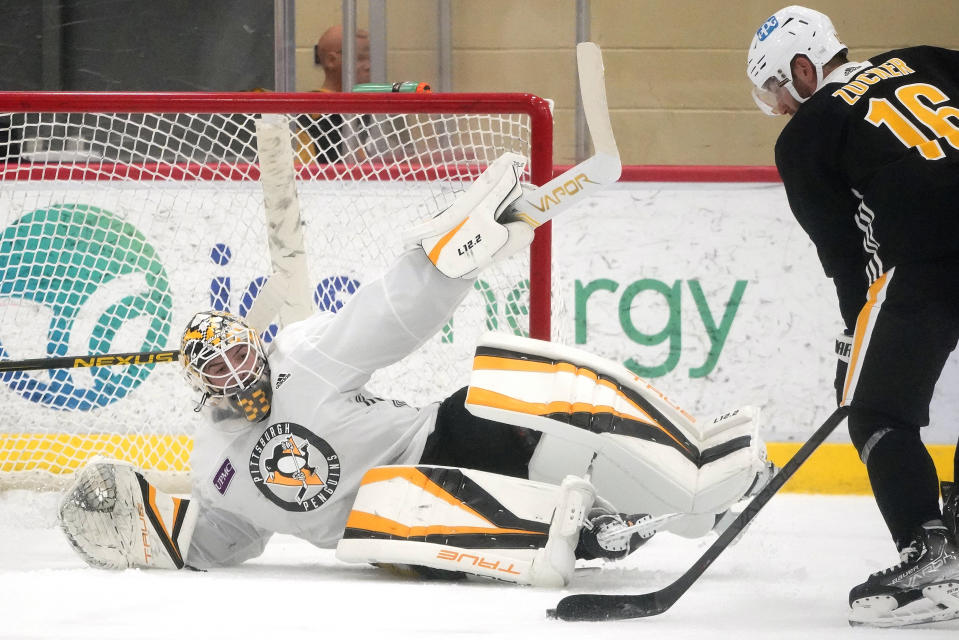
column 787, row 578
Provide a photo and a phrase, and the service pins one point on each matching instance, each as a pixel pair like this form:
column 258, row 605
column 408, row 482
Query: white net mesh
column 116, row 227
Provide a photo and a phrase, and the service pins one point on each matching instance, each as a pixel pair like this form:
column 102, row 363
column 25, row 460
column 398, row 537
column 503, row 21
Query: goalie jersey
column 889, row 128
column 299, row 470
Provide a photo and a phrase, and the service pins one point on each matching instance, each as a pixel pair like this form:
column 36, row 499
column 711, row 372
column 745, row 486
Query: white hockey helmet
column 223, row 357
column 788, row 32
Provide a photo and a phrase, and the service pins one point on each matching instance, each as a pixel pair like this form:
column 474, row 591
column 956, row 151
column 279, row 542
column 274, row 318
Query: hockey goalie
column 550, row 455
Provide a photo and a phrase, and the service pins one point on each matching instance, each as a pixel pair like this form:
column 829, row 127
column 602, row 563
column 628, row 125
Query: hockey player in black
column 870, row 162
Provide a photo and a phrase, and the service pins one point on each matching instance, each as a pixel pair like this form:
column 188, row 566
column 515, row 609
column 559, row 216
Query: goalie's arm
column 385, row 320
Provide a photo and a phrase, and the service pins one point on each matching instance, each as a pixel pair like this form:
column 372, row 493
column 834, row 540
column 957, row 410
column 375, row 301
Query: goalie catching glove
column 115, row 519
column 472, row 233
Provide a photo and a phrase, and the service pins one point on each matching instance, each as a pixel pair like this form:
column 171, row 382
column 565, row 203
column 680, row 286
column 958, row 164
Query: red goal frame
column 537, row 109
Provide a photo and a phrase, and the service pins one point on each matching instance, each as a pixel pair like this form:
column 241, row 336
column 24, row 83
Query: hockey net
column 123, row 214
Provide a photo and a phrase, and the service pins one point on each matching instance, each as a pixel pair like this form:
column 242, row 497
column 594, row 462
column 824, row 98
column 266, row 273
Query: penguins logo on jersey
column 294, row 468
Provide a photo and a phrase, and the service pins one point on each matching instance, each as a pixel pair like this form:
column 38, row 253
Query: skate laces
column 908, row 555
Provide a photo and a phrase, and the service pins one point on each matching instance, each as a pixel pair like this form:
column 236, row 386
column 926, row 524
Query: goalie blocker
column 472, row 233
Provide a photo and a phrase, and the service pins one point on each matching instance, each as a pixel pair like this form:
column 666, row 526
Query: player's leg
column 640, row 450
column 903, row 337
column 466, row 521
column 461, row 439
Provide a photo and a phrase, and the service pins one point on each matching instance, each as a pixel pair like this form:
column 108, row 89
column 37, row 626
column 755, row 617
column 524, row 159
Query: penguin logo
column 290, row 465
column 294, row 468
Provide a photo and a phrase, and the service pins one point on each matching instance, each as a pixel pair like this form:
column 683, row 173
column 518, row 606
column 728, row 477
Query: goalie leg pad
column 467, row 236
column 462, row 520
column 650, row 455
column 115, row 519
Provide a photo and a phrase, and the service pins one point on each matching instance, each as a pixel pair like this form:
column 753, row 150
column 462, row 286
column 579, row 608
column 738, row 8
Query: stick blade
column 592, row 87
column 598, row 607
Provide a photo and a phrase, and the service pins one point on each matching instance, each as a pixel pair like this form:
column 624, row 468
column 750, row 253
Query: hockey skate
column 923, row 587
column 612, row 536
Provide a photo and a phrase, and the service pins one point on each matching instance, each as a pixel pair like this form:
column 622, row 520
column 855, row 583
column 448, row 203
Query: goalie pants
column 904, row 335
column 460, row 439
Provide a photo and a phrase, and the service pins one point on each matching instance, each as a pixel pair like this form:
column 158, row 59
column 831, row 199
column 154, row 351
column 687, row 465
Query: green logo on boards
column 82, row 280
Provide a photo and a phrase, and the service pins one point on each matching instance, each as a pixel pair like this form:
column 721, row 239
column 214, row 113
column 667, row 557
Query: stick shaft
column 99, row 360
column 588, row 606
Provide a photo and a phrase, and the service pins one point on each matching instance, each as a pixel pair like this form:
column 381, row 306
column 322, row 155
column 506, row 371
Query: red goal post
column 123, row 213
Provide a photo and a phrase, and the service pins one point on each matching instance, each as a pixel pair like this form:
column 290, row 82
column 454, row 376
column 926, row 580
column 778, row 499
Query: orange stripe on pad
column 487, row 398
column 511, row 364
column 177, row 504
column 416, row 478
column 370, row 522
column 434, row 255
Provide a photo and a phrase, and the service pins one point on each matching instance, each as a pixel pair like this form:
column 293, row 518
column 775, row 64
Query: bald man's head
column 329, row 55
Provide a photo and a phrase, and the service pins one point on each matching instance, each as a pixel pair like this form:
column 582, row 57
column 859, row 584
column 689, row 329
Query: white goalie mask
column 223, row 357
column 787, row 33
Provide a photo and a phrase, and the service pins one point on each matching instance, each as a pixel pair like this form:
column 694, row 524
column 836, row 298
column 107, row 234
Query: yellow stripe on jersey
column 864, row 326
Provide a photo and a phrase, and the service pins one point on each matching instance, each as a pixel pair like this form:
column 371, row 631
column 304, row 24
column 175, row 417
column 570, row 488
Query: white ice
column 787, row 578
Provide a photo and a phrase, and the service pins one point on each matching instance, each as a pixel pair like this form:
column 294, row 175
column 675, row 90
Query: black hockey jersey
column 871, row 167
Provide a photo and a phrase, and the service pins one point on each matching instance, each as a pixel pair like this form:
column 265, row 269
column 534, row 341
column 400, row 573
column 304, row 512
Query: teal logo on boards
column 85, row 280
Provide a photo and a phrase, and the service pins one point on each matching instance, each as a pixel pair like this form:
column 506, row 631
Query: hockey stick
column 594, row 173
column 592, row 606
column 286, row 291
column 102, row 360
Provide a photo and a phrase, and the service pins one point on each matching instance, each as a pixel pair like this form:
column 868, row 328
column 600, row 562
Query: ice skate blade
column 933, row 603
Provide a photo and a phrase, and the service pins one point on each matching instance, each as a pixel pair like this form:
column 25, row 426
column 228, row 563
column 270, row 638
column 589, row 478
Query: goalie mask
column 224, row 358
column 785, row 34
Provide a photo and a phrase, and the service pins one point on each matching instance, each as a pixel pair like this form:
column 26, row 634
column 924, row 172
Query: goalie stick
column 596, row 172
column 593, row 606
column 287, row 291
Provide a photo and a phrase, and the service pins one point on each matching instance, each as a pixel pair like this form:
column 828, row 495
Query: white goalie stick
column 287, row 291
column 603, row 168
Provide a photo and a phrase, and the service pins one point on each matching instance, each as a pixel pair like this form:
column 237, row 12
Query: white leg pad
column 115, row 519
column 467, row 521
column 651, row 456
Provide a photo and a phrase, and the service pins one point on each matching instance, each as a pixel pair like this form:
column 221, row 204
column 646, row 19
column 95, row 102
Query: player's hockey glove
column 610, row 535
column 843, row 351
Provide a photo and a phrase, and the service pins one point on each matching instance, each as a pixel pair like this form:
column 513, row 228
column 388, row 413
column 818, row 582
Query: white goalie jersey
column 298, row 471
